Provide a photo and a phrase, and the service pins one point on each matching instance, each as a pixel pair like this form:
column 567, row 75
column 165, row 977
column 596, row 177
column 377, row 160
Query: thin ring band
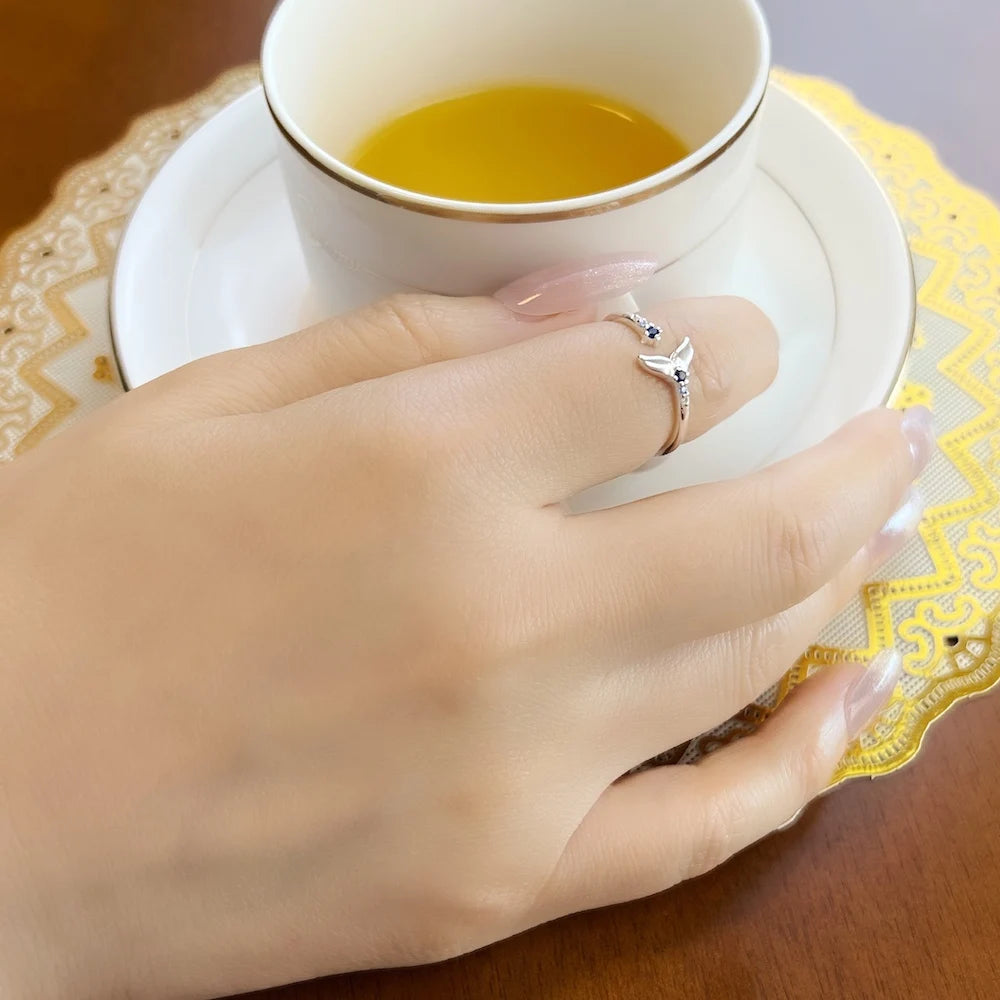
column 674, row 369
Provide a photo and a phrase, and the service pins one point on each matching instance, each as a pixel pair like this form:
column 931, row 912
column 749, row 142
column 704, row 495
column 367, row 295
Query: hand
column 305, row 669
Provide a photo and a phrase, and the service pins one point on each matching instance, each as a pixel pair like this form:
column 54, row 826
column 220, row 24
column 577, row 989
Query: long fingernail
column 572, row 286
column 901, row 527
column 871, row 692
column 918, row 429
column 792, row 820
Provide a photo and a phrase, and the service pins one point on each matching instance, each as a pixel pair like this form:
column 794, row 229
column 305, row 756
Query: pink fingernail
column 900, row 527
column 918, row 429
column 871, row 692
column 572, row 286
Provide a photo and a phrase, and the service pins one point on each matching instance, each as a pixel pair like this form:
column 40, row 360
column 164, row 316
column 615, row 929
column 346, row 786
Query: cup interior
column 336, row 69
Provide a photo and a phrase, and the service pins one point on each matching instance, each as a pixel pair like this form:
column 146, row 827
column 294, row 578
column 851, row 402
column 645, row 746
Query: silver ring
column 674, row 369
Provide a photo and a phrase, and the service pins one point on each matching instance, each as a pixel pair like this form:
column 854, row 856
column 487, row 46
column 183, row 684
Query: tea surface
column 518, row 143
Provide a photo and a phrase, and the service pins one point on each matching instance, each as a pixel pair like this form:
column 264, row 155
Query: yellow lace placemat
column 939, row 600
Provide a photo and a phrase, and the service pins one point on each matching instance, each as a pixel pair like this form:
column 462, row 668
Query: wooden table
column 888, row 889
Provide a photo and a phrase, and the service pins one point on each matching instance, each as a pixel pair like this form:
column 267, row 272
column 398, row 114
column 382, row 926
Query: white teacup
column 340, row 68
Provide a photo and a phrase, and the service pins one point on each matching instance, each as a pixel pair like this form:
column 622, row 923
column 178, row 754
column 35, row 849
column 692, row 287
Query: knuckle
column 717, row 840
column 395, row 334
column 761, row 653
column 410, row 316
column 808, row 771
column 796, row 547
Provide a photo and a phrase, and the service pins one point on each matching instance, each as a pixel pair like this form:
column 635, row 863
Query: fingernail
column 900, row 527
column 871, row 692
column 792, row 820
column 572, row 286
column 918, row 429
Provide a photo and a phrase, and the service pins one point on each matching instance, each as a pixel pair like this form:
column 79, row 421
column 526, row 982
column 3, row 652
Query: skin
column 306, row 670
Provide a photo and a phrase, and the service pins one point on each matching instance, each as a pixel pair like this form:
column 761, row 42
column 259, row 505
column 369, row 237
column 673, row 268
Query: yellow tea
column 519, row 143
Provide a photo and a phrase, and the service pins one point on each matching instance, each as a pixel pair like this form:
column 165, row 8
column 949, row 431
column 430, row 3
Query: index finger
column 393, row 335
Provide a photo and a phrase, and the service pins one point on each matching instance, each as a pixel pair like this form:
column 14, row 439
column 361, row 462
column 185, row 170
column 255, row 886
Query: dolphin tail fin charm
column 675, row 368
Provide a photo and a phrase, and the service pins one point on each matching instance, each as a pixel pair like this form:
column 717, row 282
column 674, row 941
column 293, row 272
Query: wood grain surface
column 888, row 889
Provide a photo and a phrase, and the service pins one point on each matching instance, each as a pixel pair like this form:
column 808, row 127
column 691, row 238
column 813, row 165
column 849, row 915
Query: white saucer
column 211, row 261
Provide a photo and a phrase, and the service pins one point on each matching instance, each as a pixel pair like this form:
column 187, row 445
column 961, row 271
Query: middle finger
column 708, row 559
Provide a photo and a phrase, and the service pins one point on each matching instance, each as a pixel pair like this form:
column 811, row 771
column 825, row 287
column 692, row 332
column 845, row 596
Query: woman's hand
column 305, row 669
